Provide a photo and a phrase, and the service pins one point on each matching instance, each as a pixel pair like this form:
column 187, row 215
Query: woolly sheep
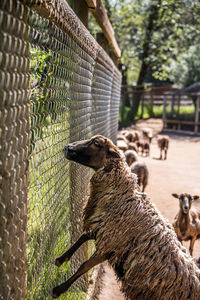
column 129, row 231
column 141, row 170
column 133, row 146
column 122, row 145
column 147, row 134
column 131, row 156
column 146, row 148
column 130, row 136
column 163, row 144
column 187, row 221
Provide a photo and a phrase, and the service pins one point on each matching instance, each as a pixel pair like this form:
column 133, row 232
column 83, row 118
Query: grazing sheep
column 146, row 148
column 129, row 232
column 187, row 221
column 122, row 145
column 137, row 135
column 147, row 134
column 122, row 138
column 130, row 136
column 131, row 156
column 140, row 146
column 133, row 146
column 163, row 144
column 140, row 169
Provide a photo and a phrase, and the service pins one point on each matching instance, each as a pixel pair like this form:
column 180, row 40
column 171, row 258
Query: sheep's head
column 92, row 153
column 185, row 201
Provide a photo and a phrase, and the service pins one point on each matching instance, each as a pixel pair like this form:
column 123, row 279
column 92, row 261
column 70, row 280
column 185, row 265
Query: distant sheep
column 146, row 149
column 131, row 156
column 130, row 136
column 187, row 221
column 163, row 144
column 133, row 146
column 122, row 145
column 129, row 232
column 147, row 134
column 141, row 170
column 143, row 147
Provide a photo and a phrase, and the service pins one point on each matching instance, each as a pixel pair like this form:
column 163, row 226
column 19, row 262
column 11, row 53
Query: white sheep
column 187, row 221
column 129, row 232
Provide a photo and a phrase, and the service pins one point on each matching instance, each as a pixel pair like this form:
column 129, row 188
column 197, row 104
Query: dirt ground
column 179, row 173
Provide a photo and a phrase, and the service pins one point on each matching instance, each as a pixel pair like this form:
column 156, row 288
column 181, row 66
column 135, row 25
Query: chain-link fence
column 57, row 85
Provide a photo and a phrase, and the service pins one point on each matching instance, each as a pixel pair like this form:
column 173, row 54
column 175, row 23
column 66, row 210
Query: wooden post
column 152, row 101
column 164, row 110
column 197, row 114
column 178, row 111
column 142, row 106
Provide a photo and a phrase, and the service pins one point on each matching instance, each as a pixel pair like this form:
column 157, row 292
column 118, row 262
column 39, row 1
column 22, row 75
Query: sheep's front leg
column 192, row 244
column 165, row 154
column 86, row 236
column 85, row 267
column 160, row 153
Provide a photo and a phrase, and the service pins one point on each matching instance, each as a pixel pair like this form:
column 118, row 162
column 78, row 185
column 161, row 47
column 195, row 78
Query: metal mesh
column 57, row 85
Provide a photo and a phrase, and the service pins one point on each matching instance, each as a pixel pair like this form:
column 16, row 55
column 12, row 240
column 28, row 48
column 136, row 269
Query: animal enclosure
column 57, row 86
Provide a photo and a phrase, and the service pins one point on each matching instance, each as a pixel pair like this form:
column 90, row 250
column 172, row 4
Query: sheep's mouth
column 70, row 154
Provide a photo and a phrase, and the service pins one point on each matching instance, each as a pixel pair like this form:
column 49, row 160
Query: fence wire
column 57, row 86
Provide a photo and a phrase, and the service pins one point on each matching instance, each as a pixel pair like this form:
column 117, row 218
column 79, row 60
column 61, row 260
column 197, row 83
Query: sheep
column 137, row 135
column 187, row 221
column 145, row 148
column 163, row 144
column 147, row 134
column 133, row 146
column 131, row 156
column 121, row 144
column 130, row 136
column 122, row 138
column 140, row 169
column 129, row 231
column 140, row 146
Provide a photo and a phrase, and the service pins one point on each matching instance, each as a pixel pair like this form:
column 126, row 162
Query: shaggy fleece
column 144, row 251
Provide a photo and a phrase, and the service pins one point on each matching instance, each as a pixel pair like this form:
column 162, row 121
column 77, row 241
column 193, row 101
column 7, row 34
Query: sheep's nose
column 65, row 148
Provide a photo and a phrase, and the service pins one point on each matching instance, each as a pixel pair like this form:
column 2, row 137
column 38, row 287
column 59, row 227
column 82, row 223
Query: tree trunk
column 152, row 21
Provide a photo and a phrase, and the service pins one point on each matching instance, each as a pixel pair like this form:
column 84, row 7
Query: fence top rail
column 61, row 14
column 99, row 12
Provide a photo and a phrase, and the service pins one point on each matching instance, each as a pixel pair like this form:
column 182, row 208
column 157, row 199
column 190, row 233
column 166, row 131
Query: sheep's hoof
column 54, row 295
column 57, row 262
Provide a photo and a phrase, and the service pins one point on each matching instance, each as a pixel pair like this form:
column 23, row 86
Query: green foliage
column 174, row 29
column 186, row 69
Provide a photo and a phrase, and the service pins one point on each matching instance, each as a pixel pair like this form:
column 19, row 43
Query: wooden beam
column 91, row 3
column 102, row 19
column 197, row 113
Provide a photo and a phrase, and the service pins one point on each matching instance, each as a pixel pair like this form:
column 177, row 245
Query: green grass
column 185, row 113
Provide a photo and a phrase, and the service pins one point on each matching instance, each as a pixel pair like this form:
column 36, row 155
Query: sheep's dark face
column 92, row 153
column 185, row 201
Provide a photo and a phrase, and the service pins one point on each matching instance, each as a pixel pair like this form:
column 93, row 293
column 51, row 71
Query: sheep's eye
column 97, row 143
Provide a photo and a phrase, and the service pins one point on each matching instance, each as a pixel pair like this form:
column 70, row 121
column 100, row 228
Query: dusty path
column 179, row 173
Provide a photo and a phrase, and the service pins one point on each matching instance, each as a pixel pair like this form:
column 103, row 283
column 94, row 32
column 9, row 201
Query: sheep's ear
column 113, row 153
column 175, row 195
column 195, row 197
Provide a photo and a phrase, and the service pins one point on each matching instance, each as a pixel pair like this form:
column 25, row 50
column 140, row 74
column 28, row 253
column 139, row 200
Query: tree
column 186, row 69
column 150, row 33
